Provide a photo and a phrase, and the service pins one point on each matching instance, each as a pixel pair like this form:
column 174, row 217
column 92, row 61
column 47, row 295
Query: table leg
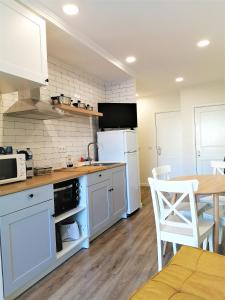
column 174, row 198
column 217, row 221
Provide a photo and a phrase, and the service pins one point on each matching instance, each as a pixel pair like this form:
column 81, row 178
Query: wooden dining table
column 209, row 185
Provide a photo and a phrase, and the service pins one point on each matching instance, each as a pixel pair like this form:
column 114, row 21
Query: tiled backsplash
column 121, row 92
column 52, row 140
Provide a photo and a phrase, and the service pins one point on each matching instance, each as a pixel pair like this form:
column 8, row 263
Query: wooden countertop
column 56, row 176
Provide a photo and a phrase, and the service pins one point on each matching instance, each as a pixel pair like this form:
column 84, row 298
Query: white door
column 169, row 141
column 210, row 136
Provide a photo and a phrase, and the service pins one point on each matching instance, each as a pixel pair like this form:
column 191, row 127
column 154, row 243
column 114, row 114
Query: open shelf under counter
column 69, row 213
column 68, row 246
column 78, row 111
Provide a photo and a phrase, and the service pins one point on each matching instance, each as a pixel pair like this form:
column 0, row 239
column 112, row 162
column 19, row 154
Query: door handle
column 198, row 153
column 159, row 150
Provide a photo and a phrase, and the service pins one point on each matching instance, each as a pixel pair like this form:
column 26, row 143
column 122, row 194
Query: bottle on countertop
column 69, row 161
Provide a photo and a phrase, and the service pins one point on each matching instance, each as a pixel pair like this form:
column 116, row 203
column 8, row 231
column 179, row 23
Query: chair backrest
column 162, row 172
column 218, row 167
column 163, row 208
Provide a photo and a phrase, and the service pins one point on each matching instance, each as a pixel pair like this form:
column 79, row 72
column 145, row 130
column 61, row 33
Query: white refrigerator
column 121, row 146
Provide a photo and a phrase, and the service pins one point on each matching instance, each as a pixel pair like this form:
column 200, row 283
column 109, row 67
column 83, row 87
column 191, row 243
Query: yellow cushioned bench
column 192, row 274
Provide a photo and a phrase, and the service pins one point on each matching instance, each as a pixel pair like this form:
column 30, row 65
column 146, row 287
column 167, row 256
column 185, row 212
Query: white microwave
column 12, row 168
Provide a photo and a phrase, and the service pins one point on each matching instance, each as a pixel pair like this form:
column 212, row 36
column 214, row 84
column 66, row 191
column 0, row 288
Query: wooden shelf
column 68, row 246
column 79, row 111
column 69, row 213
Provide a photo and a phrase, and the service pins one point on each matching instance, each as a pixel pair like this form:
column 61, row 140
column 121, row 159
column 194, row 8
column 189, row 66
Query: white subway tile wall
column 53, row 140
column 121, row 92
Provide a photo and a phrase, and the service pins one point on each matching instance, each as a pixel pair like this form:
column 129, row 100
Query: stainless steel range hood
column 32, row 108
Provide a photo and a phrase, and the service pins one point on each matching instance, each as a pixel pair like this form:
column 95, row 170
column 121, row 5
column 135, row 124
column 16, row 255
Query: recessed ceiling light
column 203, row 43
column 179, row 79
column 137, row 94
column 70, row 9
column 130, row 59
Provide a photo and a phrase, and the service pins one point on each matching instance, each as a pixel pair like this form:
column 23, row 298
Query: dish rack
column 43, row 171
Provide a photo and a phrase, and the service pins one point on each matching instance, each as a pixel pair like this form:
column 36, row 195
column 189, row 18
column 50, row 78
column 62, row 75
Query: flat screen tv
column 118, row 115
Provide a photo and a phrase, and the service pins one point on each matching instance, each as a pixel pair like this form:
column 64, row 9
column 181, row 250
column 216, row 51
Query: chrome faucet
column 88, row 150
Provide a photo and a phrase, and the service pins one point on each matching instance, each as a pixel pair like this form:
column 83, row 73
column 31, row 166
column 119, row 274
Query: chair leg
column 211, row 241
column 205, row 243
column 174, row 248
column 220, row 234
column 159, row 251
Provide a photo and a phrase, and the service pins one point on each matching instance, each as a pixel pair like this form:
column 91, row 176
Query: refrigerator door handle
column 130, row 152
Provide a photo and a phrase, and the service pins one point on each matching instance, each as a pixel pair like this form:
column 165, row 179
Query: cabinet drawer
column 14, row 202
column 98, row 177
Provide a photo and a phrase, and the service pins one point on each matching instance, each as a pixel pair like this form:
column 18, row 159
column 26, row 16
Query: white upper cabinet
column 23, row 52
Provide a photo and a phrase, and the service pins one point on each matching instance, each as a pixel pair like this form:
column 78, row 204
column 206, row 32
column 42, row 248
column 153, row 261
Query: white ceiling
column 72, row 52
column 162, row 34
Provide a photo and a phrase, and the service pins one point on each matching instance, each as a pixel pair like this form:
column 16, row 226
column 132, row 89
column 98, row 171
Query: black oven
column 66, row 196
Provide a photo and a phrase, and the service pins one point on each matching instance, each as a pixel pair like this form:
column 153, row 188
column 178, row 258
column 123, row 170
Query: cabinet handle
column 100, row 175
column 110, row 190
column 46, row 80
column 31, row 196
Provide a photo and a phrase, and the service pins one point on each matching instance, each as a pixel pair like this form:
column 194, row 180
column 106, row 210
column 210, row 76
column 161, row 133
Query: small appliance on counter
column 6, row 150
column 66, row 196
column 12, row 168
column 29, row 161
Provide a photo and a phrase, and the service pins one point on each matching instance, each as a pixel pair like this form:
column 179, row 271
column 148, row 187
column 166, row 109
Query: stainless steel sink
column 102, row 164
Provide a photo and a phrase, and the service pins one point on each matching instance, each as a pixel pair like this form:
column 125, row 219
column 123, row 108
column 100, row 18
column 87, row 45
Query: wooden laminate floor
column 117, row 262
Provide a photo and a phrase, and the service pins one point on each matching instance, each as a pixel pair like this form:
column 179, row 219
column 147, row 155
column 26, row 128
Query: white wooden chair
column 217, row 169
column 171, row 225
column 163, row 172
column 209, row 215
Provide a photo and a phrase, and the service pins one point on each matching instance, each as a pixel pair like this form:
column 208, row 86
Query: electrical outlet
column 62, row 149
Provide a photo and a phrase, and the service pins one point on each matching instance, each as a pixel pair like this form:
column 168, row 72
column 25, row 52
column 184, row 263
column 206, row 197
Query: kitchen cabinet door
column 27, row 245
column 118, row 194
column 99, row 207
column 23, row 51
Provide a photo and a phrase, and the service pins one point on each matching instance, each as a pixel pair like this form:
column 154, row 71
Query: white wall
column 52, row 140
column 185, row 100
column 147, row 107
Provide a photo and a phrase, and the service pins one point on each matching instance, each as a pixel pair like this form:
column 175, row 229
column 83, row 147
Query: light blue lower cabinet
column 99, row 206
column 106, row 197
column 27, row 245
column 27, row 227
